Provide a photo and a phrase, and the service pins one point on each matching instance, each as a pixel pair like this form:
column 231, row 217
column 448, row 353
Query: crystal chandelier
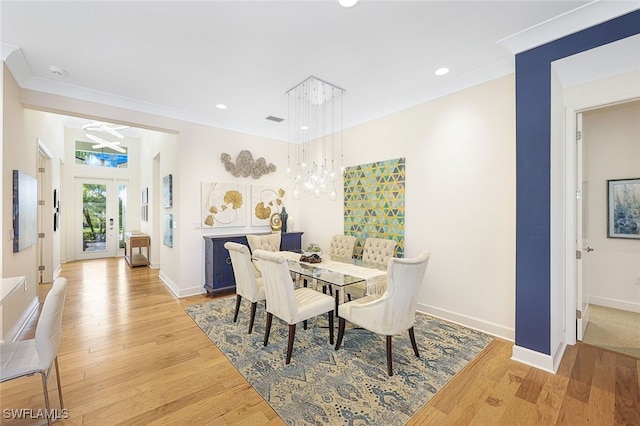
column 315, row 137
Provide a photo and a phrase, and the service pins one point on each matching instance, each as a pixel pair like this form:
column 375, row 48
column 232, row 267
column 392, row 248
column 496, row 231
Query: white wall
column 192, row 157
column 162, row 147
column 460, row 193
column 612, row 145
column 49, row 129
column 19, row 153
column 200, row 151
column 460, row 199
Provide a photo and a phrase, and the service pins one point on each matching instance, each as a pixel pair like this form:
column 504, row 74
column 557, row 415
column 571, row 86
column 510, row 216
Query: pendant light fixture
column 315, row 159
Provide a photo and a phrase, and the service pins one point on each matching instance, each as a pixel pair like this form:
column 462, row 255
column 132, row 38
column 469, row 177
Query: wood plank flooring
column 131, row 356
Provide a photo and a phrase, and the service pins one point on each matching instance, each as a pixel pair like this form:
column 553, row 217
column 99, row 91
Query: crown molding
column 14, row 59
column 583, row 17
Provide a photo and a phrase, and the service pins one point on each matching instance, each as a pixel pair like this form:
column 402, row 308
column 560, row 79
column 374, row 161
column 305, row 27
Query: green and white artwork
column 374, row 202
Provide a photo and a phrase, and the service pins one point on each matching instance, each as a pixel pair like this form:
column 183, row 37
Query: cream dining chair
column 268, row 242
column 289, row 304
column 27, row 357
column 375, row 254
column 392, row 313
column 341, row 250
column 247, row 284
column 341, row 246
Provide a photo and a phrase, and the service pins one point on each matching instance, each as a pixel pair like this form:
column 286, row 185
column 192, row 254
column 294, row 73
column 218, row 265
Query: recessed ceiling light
column 221, row 106
column 56, row 70
column 442, row 71
column 347, row 3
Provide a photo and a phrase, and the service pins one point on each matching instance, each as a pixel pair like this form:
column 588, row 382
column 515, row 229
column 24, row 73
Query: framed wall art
column 167, row 191
column 265, row 201
column 623, row 210
column 25, row 211
column 374, row 199
column 56, row 210
column 167, row 237
column 223, row 204
column 145, row 195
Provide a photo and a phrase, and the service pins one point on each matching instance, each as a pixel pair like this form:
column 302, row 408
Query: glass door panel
column 96, row 219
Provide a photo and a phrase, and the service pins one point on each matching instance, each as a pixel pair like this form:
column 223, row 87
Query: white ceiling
column 179, row 59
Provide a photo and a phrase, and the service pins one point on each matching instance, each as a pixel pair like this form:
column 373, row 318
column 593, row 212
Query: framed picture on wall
column 145, row 195
column 167, row 233
column 25, row 210
column 167, row 191
column 623, row 210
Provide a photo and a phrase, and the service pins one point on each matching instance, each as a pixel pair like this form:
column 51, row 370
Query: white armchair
column 376, row 254
column 393, row 312
column 268, row 242
column 27, row 357
column 291, row 306
column 341, row 246
column 247, row 284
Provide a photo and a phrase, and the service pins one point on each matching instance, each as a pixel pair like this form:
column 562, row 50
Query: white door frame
column 45, row 213
column 598, row 99
column 581, row 263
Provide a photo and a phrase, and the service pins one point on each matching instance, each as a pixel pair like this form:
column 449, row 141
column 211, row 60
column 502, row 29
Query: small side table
column 139, row 241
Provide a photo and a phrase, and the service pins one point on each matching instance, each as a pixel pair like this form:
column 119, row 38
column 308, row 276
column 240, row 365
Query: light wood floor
column 130, row 355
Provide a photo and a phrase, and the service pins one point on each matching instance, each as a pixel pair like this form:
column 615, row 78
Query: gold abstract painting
column 223, row 205
column 265, row 201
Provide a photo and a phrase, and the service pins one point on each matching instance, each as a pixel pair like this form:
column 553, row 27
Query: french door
column 100, row 218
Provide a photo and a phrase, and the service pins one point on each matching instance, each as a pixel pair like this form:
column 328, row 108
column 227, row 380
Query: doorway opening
column 609, row 278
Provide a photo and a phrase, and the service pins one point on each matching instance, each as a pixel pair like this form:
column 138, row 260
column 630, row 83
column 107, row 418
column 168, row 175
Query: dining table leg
column 339, row 292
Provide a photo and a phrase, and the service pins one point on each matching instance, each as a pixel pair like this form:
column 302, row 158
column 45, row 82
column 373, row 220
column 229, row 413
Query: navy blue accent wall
column 533, row 147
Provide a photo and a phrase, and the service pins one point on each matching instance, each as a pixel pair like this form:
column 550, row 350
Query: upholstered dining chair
column 341, row 246
column 247, row 284
column 376, row 254
column 268, row 242
column 289, row 304
column 392, row 313
column 27, row 357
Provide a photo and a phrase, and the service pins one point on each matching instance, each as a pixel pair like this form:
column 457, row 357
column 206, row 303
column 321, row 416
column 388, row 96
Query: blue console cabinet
column 218, row 272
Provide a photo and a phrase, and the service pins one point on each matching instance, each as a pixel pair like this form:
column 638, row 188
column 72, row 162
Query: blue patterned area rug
column 349, row 386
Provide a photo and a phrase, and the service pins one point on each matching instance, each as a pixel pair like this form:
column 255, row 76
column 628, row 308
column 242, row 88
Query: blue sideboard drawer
column 218, row 272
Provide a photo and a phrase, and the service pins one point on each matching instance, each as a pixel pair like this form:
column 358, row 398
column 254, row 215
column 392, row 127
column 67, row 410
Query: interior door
column 96, row 218
column 582, row 235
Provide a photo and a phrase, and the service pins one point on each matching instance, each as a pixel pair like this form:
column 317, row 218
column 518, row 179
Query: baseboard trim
column 557, row 356
column 469, row 322
column 538, row 360
column 169, row 283
column 615, row 303
column 57, row 272
column 179, row 293
column 17, row 328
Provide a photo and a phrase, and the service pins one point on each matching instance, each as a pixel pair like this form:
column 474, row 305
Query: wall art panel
column 25, row 211
column 265, row 201
column 374, row 202
column 223, row 204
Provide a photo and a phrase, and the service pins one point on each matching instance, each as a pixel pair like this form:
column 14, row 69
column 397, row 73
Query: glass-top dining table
column 337, row 273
